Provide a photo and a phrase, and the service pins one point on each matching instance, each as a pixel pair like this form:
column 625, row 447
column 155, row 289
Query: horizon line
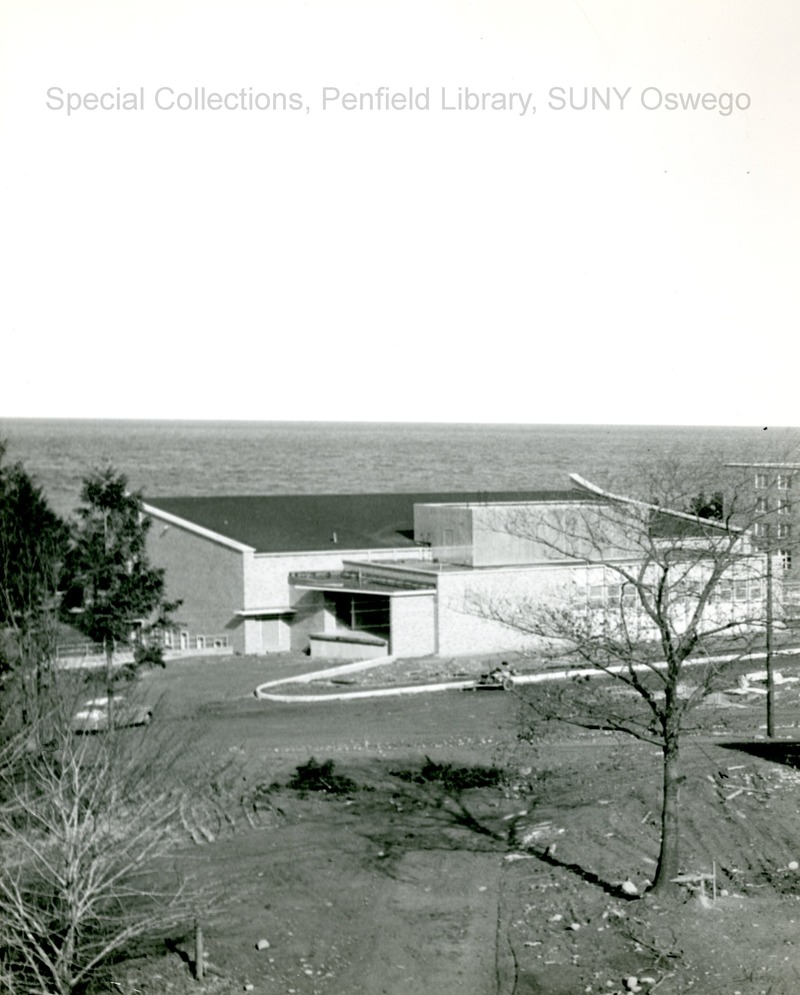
column 399, row 422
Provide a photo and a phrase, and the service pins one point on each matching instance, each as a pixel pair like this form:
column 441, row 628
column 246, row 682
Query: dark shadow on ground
column 426, row 805
column 589, row 877
column 178, row 946
column 425, row 816
column 779, row 752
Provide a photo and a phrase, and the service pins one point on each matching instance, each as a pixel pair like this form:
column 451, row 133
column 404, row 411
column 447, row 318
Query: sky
column 583, row 246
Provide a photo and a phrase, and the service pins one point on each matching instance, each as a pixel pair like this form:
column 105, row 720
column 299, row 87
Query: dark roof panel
column 283, row 523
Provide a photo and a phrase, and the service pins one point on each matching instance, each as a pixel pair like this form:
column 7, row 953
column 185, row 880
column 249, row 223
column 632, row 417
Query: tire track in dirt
column 432, row 927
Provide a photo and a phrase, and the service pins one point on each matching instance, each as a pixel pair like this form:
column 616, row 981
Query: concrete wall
column 344, row 649
column 592, row 591
column 312, row 614
column 266, row 577
column 487, row 535
column 545, row 533
column 207, row 576
column 505, row 535
column 448, row 529
column 394, row 573
column 463, row 629
column 413, row 624
column 267, row 635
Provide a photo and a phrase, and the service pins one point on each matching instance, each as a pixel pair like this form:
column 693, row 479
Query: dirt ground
column 407, row 884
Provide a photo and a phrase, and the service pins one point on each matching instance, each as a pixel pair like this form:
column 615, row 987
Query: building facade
column 767, row 495
column 347, row 576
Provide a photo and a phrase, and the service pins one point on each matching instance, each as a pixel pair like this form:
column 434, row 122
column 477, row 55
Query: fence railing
column 65, row 651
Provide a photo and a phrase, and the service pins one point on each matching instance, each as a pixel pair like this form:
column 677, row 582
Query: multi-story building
column 768, row 498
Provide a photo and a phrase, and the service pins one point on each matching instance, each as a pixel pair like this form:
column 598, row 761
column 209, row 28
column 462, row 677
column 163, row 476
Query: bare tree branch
column 84, row 831
column 648, row 588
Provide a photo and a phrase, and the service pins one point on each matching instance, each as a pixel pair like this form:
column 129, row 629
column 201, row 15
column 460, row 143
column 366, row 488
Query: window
column 761, row 505
column 614, row 596
column 761, row 529
column 211, row 642
column 761, row 480
column 740, row 590
column 786, row 559
column 784, row 506
column 783, row 482
column 783, row 530
column 596, row 595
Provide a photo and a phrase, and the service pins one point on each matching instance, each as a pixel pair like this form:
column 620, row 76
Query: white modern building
column 406, row 574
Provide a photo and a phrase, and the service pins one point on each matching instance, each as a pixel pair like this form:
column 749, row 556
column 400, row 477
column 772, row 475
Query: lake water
column 195, row 458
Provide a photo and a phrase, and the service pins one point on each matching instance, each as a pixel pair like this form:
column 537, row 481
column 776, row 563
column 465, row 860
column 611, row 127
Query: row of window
column 612, row 594
column 781, row 530
column 182, row 640
column 739, row 590
column 783, row 507
column 783, row 481
column 747, row 589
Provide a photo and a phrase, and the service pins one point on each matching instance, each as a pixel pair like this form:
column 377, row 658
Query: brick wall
column 207, row 576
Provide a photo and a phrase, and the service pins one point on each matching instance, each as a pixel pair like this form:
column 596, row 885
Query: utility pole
column 768, row 647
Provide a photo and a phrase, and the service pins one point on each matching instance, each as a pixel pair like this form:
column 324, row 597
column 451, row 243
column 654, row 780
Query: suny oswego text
column 445, row 99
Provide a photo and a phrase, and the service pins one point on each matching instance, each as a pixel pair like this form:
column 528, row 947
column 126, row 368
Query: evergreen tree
column 33, row 542
column 113, row 593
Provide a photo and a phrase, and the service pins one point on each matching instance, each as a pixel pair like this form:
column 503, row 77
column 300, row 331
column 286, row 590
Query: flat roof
column 346, row 584
column 288, row 523
column 767, row 466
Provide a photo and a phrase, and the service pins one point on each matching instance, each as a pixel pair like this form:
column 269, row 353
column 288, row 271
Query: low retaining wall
column 346, row 646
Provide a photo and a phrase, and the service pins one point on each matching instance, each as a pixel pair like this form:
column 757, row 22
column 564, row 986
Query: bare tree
column 657, row 593
column 86, row 829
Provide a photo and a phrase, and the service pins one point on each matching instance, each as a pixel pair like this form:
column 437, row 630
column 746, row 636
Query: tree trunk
column 668, row 865
column 41, row 688
column 108, row 645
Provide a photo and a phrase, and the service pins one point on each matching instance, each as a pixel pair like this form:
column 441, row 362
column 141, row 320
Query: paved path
column 267, row 690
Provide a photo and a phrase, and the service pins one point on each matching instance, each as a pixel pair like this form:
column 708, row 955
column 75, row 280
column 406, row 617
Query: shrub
column 84, row 830
column 149, row 656
column 315, row 776
column 454, row 778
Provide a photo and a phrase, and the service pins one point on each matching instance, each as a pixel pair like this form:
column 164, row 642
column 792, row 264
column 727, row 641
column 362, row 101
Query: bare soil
column 402, row 885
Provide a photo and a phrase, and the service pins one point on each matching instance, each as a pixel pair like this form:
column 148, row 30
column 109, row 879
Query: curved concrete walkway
column 263, row 691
